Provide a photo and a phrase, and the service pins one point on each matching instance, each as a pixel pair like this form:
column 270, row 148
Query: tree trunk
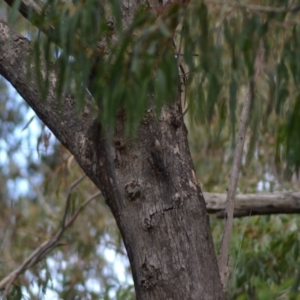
column 161, row 215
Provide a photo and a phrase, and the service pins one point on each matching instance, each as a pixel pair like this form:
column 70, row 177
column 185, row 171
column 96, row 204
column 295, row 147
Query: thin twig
column 41, row 252
column 81, row 207
column 238, row 153
column 235, row 171
column 73, row 185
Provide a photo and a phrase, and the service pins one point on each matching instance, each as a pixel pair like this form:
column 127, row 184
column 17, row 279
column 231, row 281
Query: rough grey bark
column 163, row 220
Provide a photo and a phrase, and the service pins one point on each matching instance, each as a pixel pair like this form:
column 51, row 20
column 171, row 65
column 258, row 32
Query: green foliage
column 118, row 74
column 15, row 294
column 126, row 77
column 222, row 54
column 134, row 66
column 265, row 257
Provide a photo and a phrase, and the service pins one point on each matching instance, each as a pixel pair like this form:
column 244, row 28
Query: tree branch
column 235, row 171
column 45, row 248
column 73, row 128
column 256, row 8
column 28, row 8
column 36, row 13
column 255, row 204
column 230, row 199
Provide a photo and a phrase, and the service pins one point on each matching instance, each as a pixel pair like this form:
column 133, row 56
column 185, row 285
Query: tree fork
column 163, row 220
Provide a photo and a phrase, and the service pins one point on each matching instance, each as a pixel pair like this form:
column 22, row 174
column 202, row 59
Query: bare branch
column 81, row 207
column 235, row 171
column 42, row 251
column 255, row 8
column 73, row 185
column 255, row 204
